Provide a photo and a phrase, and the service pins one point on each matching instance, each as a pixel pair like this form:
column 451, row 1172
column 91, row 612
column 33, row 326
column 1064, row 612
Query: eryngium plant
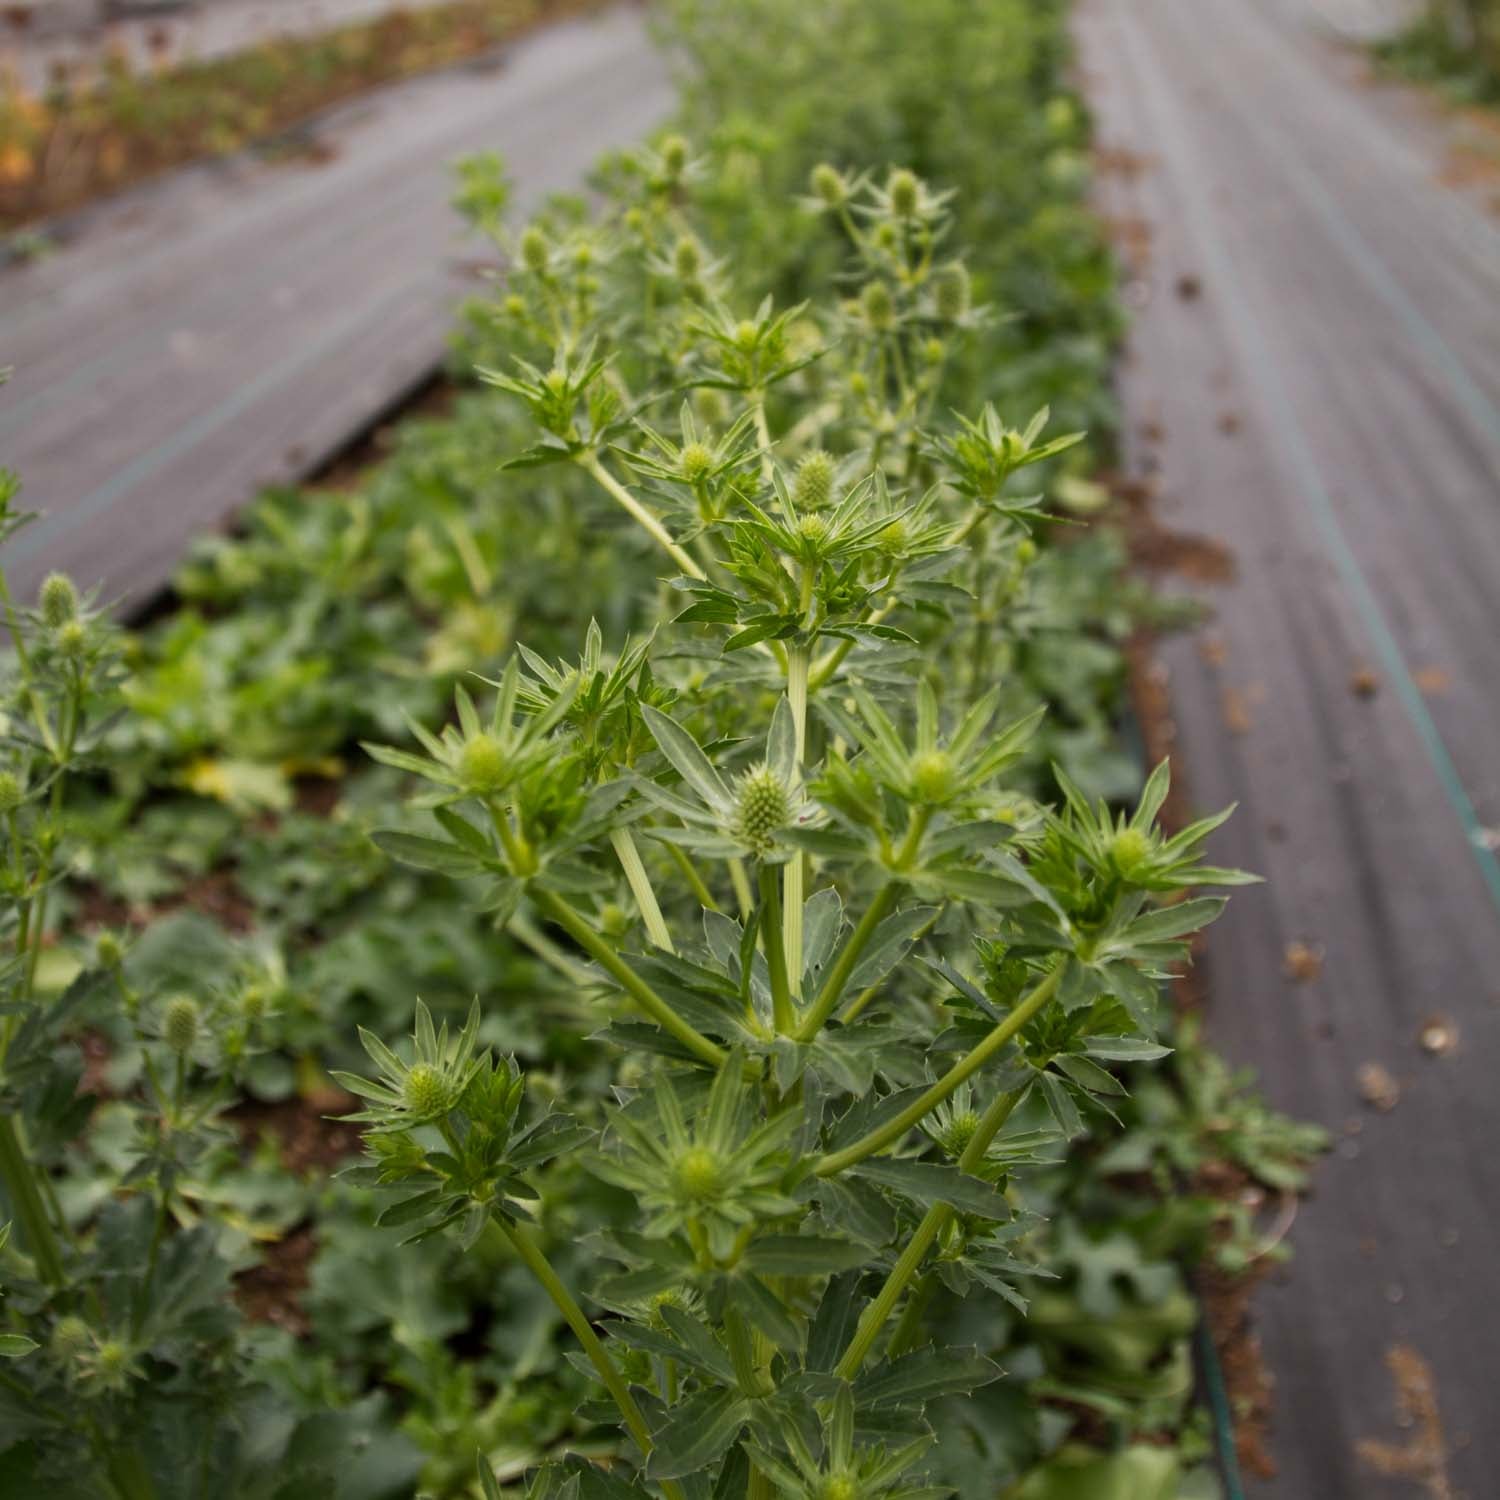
column 872, row 976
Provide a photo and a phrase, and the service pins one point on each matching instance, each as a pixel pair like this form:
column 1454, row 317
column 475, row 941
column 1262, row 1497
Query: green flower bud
column 179, row 1024
column 1129, row 850
column 112, row 1364
column 515, row 307
column 687, row 258
column 905, row 193
column 109, row 950
column 746, row 334
column 635, row 220
column 614, row 920
column 253, row 1002
column 858, row 384
column 695, row 463
column 934, row 351
column 933, row 775
column 72, row 638
column 12, row 791
column 59, row 600
column 762, row 812
column 813, row 487
column 840, row 1487
column 812, row 529
column 1025, row 551
column 960, row 1132
column 952, row 293
column 483, row 767
column 583, row 255
column 535, row 251
column 674, row 155
column 70, row 1338
column 878, row 306
column 424, row 1092
column 893, row 537
column 829, row 185
column 698, row 1174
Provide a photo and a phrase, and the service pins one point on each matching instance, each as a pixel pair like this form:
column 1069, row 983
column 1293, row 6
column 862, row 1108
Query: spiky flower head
column 483, row 766
column 904, row 190
column 1129, row 850
column 762, row 809
column 180, row 1023
column 674, row 155
column 695, row 463
column 59, row 600
column 425, row 1092
column 933, row 776
column 878, row 306
column 828, row 184
column 687, row 258
column 952, row 291
column 70, row 1337
column 535, row 251
column 12, row 792
column 812, row 488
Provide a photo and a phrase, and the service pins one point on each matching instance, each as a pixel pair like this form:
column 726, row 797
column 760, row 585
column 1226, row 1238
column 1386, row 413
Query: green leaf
column 923, row 1376
column 802, row 1255
column 16, row 1345
column 929, row 1182
column 429, row 854
column 697, row 1433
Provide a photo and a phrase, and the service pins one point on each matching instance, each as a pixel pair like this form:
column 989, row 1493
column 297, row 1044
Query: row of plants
column 760, row 691
column 95, row 129
column 1453, row 43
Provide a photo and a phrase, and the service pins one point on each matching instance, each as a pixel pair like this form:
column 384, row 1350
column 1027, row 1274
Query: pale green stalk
column 996, row 1041
column 642, row 516
column 934, row 1222
column 572, row 922
column 795, row 873
column 775, row 946
column 573, row 1315
column 641, row 888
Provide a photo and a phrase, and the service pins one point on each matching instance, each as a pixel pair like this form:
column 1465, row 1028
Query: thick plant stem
column 128, row 1476
column 701, row 893
column 572, row 922
column 770, row 919
column 638, row 512
column 934, row 1222
column 741, row 883
column 641, row 888
column 793, row 878
column 965, row 1068
column 844, row 965
column 26, row 1199
column 598, row 1355
column 841, row 972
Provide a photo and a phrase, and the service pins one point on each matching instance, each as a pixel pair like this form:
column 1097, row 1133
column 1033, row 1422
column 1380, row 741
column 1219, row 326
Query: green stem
column 641, row 888
column 858, row 1003
column 546, row 950
column 996, row 1041
column 572, row 922
column 770, row 918
column 128, row 1474
column 848, row 959
column 640, row 514
column 598, row 1355
column 838, row 977
column 762, row 433
column 701, row 892
column 794, row 875
column 934, row 1222
column 26, row 1199
column 741, row 883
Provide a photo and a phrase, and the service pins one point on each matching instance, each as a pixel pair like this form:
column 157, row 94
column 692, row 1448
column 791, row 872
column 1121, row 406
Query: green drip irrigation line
column 1170, row 126
column 1223, row 1418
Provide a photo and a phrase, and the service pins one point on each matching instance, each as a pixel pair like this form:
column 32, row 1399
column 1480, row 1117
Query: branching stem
column 965, row 1068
